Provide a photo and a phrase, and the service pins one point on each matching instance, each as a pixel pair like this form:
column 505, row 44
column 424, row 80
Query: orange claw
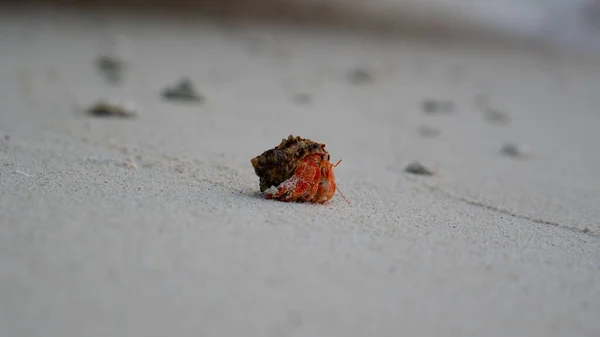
column 313, row 180
column 302, row 185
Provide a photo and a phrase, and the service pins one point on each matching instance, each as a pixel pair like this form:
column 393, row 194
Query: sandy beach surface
column 154, row 226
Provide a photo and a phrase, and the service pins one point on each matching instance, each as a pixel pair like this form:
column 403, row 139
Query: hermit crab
column 298, row 170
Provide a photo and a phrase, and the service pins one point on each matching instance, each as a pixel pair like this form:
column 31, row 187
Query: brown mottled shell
column 276, row 165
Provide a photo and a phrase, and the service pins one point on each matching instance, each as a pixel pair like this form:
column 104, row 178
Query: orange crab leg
column 342, row 194
column 336, row 188
column 327, row 185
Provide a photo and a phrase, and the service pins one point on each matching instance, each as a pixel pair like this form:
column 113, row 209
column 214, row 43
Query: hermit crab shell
column 276, row 165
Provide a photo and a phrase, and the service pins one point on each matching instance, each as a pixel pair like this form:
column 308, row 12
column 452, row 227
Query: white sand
column 153, row 226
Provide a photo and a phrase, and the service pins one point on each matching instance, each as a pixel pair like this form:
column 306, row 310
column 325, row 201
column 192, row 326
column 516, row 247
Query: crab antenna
column 337, row 189
column 342, row 194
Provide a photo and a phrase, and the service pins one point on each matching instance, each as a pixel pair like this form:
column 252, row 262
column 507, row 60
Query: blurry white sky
column 574, row 22
column 564, row 22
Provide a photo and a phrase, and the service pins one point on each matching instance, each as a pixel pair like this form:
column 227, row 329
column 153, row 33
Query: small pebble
column 434, row 106
column 7, row 137
column 113, row 108
column 360, row 76
column 515, row 151
column 23, row 173
column 184, row 90
column 301, row 99
column 418, row 168
column 428, row 131
column 482, row 102
column 129, row 165
column 497, row 116
column 112, row 67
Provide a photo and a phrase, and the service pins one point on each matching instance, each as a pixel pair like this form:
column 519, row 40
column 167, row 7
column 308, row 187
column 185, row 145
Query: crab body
column 296, row 170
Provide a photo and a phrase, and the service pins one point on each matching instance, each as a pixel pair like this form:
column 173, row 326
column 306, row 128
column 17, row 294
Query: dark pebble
column 431, row 106
column 360, row 76
column 111, row 109
column 418, row 168
column 184, row 90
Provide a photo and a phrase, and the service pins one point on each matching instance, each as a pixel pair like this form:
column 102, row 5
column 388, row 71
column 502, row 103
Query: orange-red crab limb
column 312, row 181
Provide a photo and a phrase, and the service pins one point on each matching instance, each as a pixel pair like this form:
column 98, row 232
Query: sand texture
column 154, row 225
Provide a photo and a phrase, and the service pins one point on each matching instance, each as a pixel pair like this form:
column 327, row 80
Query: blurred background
column 146, row 227
column 562, row 23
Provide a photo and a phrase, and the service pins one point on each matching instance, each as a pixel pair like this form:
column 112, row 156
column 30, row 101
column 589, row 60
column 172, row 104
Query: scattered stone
column 112, row 67
column 23, row 173
column 431, row 106
column 586, row 230
column 129, row 165
column 113, row 108
column 418, row 168
column 302, row 99
column 184, row 90
column 497, row 116
column 482, row 102
column 360, row 76
column 515, row 151
column 7, row 137
column 428, row 131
